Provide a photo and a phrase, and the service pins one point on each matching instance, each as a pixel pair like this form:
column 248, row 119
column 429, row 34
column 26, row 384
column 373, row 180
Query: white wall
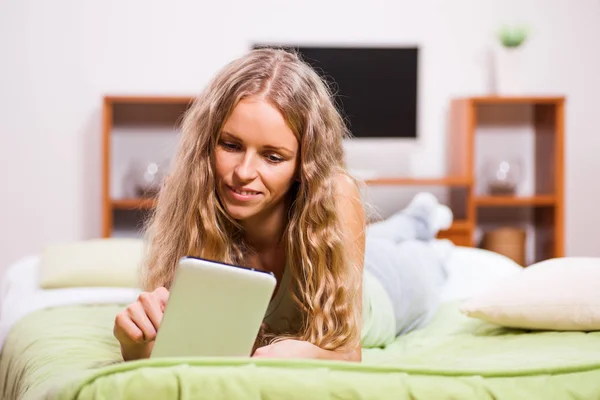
column 57, row 59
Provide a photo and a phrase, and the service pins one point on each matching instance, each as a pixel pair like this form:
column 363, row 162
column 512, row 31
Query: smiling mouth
column 243, row 192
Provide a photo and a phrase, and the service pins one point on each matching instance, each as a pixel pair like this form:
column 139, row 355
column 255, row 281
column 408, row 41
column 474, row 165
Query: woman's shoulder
column 349, row 201
column 346, row 185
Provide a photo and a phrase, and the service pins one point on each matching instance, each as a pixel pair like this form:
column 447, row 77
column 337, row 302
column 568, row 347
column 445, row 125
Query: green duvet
column 70, row 353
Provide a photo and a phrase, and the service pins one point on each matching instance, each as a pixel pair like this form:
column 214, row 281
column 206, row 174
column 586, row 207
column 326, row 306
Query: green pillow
column 110, row 262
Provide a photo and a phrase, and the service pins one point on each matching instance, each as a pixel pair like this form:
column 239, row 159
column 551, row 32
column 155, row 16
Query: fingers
column 140, row 321
column 163, row 296
column 152, row 307
column 138, row 315
column 126, row 331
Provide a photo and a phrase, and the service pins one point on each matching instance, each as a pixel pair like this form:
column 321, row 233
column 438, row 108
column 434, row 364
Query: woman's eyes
column 272, row 158
column 229, row 145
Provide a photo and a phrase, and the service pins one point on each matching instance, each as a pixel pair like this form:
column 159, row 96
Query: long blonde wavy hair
column 189, row 219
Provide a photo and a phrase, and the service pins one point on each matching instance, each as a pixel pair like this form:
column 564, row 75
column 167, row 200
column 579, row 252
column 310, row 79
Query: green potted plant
column 512, row 37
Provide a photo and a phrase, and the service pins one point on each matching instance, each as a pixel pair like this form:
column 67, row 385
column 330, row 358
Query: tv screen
column 375, row 87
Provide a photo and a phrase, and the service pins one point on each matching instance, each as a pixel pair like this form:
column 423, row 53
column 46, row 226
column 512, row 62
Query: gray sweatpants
column 401, row 254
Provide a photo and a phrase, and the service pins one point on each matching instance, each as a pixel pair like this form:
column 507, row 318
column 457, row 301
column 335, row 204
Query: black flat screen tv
column 375, row 87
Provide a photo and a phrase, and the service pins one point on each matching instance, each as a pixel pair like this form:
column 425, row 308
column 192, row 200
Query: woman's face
column 256, row 160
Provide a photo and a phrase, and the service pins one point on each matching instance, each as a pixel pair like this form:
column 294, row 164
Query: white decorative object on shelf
column 503, row 176
column 144, row 179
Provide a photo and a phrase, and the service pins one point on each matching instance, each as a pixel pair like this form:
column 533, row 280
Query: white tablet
column 214, row 310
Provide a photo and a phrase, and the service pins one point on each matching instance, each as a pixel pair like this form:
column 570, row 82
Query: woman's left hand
column 289, row 348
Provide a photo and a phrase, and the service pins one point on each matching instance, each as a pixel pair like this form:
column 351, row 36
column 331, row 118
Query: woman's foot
column 426, row 208
column 422, row 219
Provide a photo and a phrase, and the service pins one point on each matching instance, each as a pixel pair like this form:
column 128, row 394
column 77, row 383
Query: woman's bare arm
column 350, row 211
column 352, row 218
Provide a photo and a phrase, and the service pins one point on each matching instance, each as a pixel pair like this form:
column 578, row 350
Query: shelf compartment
column 527, row 130
column 515, row 201
column 539, row 224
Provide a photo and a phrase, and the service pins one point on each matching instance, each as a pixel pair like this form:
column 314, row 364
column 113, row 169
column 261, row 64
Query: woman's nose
column 245, row 169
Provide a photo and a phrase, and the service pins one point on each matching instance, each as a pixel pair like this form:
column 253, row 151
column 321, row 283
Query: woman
column 259, row 181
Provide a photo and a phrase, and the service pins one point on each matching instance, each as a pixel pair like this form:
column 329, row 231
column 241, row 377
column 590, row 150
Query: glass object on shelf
column 144, row 179
column 503, row 176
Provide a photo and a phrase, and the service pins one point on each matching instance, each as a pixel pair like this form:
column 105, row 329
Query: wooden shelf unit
column 546, row 202
column 132, row 111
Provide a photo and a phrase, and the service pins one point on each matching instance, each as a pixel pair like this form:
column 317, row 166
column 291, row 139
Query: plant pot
column 509, row 70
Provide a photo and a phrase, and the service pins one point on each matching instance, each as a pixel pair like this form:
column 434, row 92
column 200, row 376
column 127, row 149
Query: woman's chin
column 239, row 213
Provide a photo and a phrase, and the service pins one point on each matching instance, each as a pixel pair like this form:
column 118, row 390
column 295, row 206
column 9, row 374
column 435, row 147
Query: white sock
column 426, row 207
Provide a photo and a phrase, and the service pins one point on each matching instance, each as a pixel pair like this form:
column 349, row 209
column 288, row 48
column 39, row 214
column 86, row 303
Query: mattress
column 69, row 352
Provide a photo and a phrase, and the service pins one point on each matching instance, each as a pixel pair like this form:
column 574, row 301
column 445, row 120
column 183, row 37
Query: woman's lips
column 243, row 194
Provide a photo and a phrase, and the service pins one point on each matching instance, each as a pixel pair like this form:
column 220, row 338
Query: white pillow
column 110, row 262
column 558, row 294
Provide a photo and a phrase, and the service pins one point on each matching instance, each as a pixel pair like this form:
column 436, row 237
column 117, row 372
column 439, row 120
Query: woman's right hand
column 136, row 326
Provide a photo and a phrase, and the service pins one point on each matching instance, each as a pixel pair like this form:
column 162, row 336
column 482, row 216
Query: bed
column 57, row 348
